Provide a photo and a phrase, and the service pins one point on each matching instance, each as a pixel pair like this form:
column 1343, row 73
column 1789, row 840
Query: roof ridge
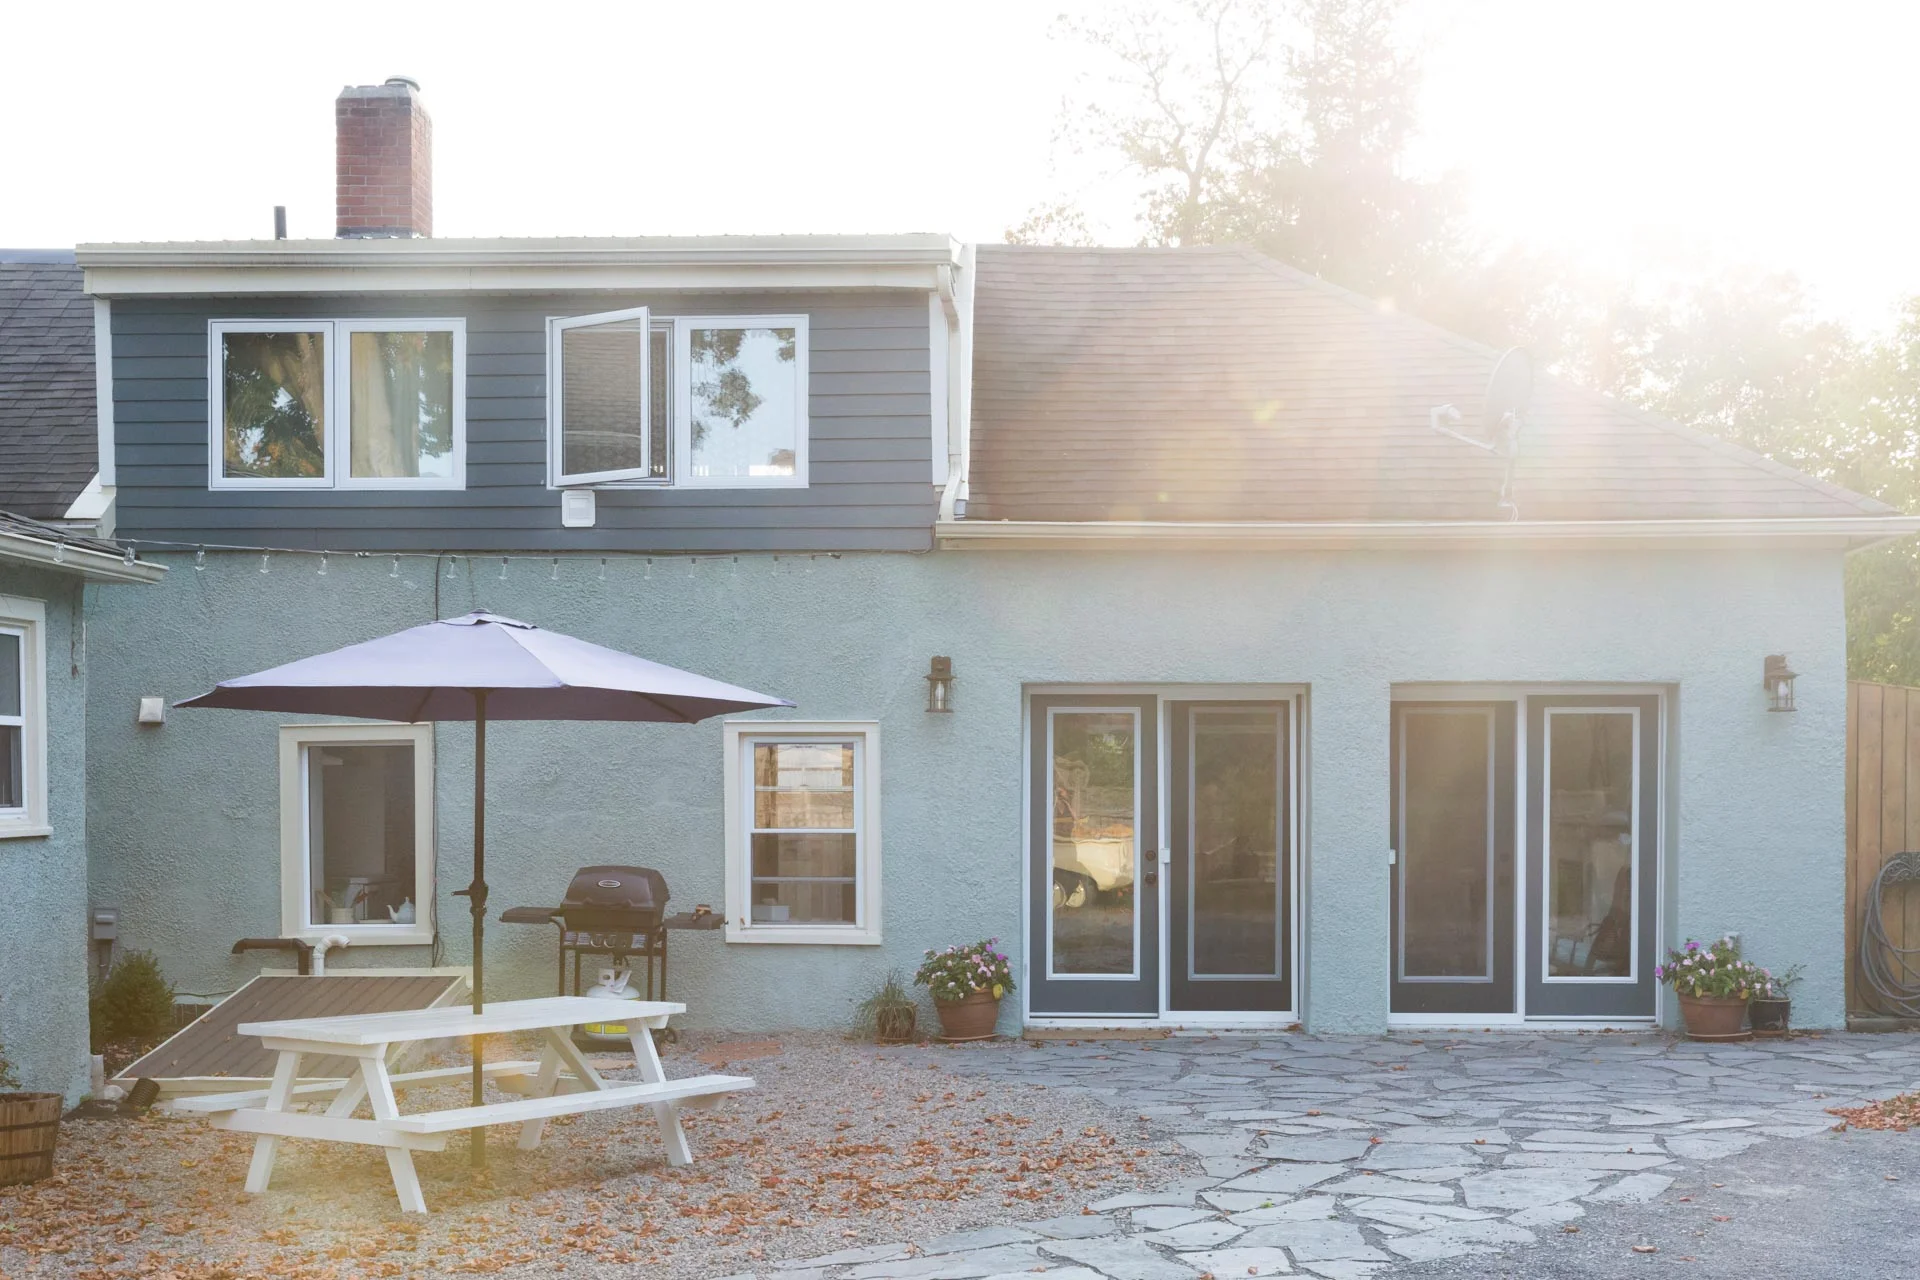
column 1695, row 435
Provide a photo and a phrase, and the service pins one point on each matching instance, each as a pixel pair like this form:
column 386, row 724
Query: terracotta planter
column 1714, row 1017
column 29, row 1128
column 1769, row 1015
column 971, row 1017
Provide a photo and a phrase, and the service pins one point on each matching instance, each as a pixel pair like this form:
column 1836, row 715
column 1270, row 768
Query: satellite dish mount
column 1502, row 419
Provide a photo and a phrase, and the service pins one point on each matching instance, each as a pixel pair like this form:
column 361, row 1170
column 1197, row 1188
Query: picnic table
column 561, row 1082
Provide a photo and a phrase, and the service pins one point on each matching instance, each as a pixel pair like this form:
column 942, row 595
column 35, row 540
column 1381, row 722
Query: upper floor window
column 338, row 404
column 691, row 401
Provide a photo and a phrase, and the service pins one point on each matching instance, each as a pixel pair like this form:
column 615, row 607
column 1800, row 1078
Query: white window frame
column 28, row 620
column 556, row 450
column 741, row 737
column 337, row 420
column 295, row 856
column 680, row 410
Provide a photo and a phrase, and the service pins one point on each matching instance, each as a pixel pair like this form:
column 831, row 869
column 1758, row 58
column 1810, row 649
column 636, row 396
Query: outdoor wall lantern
column 1778, row 682
column 940, row 685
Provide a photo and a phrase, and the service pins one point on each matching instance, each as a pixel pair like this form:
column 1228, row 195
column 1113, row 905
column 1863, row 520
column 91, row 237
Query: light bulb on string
column 451, row 562
column 555, row 575
column 323, row 564
column 200, row 560
column 692, row 561
column 603, row 568
column 396, row 568
column 648, row 575
column 503, row 568
column 263, row 562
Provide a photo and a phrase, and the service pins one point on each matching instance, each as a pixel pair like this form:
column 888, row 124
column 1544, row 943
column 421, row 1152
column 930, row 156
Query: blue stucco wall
column 43, row 879
column 184, row 819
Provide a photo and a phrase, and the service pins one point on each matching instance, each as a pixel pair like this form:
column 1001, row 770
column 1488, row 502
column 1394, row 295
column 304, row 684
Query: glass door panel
column 1453, row 795
column 1094, row 935
column 1594, row 770
column 1230, row 926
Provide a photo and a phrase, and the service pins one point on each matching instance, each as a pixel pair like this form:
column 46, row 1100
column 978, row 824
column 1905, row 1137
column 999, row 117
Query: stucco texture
column 184, row 819
column 43, row 879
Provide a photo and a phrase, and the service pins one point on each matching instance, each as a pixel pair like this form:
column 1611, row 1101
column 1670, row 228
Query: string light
column 555, row 575
column 648, row 575
column 129, row 557
column 323, row 564
column 264, row 557
column 59, row 553
column 503, row 568
column 690, row 563
column 200, row 560
column 603, row 568
column 451, row 562
column 130, row 548
column 396, row 568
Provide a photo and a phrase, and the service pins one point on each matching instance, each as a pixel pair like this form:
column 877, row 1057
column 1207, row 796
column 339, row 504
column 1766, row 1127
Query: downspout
column 956, row 296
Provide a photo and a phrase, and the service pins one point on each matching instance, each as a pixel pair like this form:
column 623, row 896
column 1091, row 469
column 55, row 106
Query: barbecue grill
column 619, row 912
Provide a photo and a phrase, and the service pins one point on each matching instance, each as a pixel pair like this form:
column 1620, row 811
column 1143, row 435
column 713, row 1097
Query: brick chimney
column 383, row 161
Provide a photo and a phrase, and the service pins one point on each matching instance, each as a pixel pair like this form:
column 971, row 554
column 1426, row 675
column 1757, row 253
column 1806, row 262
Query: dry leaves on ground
column 1898, row 1113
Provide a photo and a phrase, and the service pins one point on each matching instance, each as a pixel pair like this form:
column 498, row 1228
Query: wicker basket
column 29, row 1128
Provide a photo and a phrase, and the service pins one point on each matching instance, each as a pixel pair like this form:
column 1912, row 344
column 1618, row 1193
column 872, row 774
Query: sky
column 1636, row 135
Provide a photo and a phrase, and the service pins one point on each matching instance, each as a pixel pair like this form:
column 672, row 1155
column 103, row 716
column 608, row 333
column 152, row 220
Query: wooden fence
column 1883, row 808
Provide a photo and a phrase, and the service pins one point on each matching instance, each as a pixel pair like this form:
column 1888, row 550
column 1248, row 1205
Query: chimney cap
column 404, row 81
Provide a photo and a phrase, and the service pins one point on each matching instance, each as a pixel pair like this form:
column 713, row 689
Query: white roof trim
column 1852, row 532
column 88, row 562
column 427, row 265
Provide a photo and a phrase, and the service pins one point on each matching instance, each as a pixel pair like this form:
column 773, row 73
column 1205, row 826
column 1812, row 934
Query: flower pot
column 894, row 1025
column 29, row 1128
column 1714, row 1017
column 971, row 1017
column 1768, row 1014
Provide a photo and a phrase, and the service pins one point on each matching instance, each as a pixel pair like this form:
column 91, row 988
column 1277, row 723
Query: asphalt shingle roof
column 47, row 432
column 1218, row 384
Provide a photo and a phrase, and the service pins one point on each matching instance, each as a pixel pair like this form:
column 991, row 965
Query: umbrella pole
column 477, row 903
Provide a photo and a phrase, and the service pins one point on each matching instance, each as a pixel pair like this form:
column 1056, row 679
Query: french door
column 1592, row 855
column 1453, row 857
column 1094, row 899
column 1230, row 881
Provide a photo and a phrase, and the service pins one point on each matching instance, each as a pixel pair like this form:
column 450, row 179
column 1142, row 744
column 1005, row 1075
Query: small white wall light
column 1778, row 682
column 152, row 711
column 576, row 509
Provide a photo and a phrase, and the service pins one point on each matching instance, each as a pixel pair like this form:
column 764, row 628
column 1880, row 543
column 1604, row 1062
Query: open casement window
column 607, row 424
column 356, row 832
column 803, row 832
column 23, row 719
column 337, row 404
column 683, row 401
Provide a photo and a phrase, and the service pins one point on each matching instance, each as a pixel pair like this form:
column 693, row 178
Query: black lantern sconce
column 940, row 685
column 1778, row 682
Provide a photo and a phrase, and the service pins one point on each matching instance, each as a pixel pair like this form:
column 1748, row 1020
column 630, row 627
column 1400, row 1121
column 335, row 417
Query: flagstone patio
column 1346, row 1157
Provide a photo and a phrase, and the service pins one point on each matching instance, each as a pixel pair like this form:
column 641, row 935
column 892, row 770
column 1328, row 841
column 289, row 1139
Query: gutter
column 1852, row 532
column 88, row 562
column 610, row 263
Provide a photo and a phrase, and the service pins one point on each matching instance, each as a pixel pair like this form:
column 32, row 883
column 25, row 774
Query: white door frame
column 1519, row 694
column 1294, row 695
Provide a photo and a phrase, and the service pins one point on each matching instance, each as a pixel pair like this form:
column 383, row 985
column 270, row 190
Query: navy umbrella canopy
column 482, row 667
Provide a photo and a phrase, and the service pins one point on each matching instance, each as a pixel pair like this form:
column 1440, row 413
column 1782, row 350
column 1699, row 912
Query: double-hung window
column 23, row 718
column 803, row 831
column 337, row 404
column 684, row 401
column 356, row 832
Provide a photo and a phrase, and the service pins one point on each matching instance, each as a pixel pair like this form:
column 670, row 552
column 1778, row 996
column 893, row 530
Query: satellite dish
column 1508, row 393
column 1502, row 418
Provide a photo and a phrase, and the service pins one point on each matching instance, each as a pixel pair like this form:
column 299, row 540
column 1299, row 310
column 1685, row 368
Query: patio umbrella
column 482, row 667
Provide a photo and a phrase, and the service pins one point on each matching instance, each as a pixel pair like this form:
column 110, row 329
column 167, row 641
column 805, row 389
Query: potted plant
column 889, row 1014
column 1714, row 985
column 1772, row 1003
column 966, row 983
column 29, row 1130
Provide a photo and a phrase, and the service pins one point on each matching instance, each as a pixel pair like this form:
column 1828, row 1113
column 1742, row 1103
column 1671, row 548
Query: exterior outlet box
column 105, row 924
column 576, row 509
column 152, row 711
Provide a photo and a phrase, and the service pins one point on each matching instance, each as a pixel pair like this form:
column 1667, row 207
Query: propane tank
column 611, row 986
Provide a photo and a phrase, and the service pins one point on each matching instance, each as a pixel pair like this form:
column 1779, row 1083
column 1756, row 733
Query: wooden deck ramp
column 209, row 1055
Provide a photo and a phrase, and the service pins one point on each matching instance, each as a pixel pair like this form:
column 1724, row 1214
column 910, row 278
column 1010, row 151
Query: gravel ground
column 839, row 1145
column 1845, row 1205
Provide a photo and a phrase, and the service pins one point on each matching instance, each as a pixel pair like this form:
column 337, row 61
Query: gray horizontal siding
column 869, row 404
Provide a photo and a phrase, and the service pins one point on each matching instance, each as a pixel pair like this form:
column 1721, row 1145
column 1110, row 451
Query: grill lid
column 640, row 890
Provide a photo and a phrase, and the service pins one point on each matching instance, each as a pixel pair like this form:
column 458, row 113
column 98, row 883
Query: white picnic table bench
column 562, row 1082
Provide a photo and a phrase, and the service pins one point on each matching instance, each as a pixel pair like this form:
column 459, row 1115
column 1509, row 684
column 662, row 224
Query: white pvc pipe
column 323, row 946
